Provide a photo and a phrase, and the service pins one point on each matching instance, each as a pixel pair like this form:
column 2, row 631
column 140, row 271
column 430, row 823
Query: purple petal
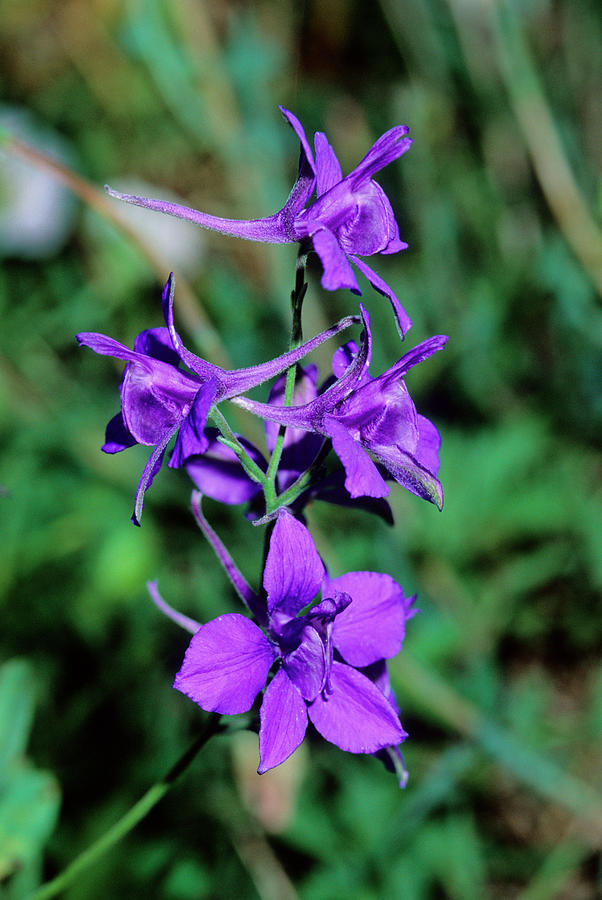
column 326, row 611
column 226, row 665
column 328, row 169
column 389, row 147
column 283, row 722
column 153, row 465
column 355, row 716
column 379, row 676
column 156, row 342
column 297, row 127
column 429, row 443
column 408, row 472
column 373, row 625
column 117, row 436
column 218, row 473
column 417, row 354
column 363, row 478
column 403, row 321
column 365, row 223
column 343, row 357
column 311, row 415
column 381, row 413
column 196, row 364
column 268, row 230
column 238, row 381
column 306, row 666
column 191, row 439
column 394, row 246
column 154, row 398
column 337, row 271
column 106, row 346
column 293, row 571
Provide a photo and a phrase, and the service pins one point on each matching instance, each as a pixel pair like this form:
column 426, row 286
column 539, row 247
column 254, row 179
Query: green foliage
column 29, row 798
column 497, row 681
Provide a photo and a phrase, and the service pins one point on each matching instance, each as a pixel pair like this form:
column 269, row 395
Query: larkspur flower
column 363, row 415
column 219, row 474
column 351, row 217
column 319, row 652
column 159, row 400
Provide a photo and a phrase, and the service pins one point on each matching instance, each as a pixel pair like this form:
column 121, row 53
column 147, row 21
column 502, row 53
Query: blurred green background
column 498, row 199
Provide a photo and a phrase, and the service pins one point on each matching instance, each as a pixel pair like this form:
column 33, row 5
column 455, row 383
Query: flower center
column 368, row 229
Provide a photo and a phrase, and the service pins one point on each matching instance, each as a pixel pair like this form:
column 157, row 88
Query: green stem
column 230, row 440
column 297, row 297
column 287, row 497
column 130, row 819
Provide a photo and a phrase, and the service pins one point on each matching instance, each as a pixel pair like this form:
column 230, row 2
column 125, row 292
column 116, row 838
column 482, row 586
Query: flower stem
column 297, row 297
column 134, row 815
column 288, row 497
column 230, row 440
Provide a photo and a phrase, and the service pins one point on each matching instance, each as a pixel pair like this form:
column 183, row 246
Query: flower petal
column 117, row 436
column 402, row 320
column 389, row 147
column 373, row 625
column 407, row 471
column 156, row 342
column 191, row 439
column 268, row 229
column 153, row 465
column 283, row 722
column 355, row 716
column 297, row 127
column 328, row 168
column 199, row 366
column 429, row 443
column 306, row 666
column 293, row 571
column 343, row 357
column 154, row 398
column 238, row 381
column 226, row 665
column 337, row 271
column 379, row 674
column 106, row 346
column 417, row 354
column 363, row 478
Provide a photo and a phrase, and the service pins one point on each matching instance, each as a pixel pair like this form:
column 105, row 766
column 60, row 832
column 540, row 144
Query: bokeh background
column 498, row 199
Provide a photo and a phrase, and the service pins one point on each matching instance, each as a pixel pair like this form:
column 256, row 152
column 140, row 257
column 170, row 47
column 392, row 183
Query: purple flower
column 160, row 400
column 362, row 415
column 319, row 653
column 218, row 473
column 351, row 217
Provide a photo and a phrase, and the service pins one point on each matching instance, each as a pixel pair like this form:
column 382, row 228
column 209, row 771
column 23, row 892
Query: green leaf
column 29, row 804
column 17, row 698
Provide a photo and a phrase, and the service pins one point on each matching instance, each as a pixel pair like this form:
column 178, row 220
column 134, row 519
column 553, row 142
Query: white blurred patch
column 36, row 211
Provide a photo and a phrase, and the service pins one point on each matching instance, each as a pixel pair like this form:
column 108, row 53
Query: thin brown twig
column 193, row 315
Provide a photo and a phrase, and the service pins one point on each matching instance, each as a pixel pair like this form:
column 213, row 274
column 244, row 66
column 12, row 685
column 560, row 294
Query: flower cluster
column 314, row 646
